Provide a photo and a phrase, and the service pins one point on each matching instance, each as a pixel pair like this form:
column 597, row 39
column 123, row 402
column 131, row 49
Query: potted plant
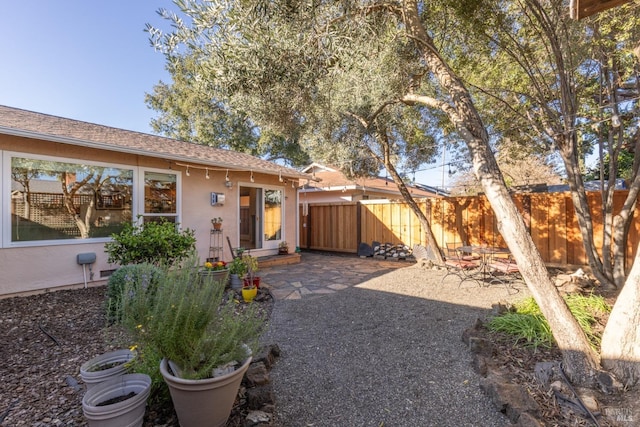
column 252, row 267
column 249, row 292
column 120, row 401
column 217, row 223
column 217, row 271
column 237, row 271
column 205, row 343
column 283, row 248
column 105, row 367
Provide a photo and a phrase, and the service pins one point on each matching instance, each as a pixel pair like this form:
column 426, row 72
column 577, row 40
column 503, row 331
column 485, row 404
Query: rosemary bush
column 189, row 321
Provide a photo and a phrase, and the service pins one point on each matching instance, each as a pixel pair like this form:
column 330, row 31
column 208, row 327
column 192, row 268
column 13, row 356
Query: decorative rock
column 528, row 420
column 256, row 417
column 511, row 399
column 257, row 374
column 480, row 346
column 257, row 397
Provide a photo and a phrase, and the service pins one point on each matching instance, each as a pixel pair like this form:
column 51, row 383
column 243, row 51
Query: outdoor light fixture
column 228, row 184
column 206, row 175
column 226, row 178
column 187, row 172
column 615, row 121
column 280, row 176
column 252, row 180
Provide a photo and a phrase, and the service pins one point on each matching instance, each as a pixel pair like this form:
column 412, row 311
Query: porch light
column 615, row 121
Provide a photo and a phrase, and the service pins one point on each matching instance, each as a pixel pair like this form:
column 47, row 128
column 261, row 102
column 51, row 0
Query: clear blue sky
column 87, row 60
column 90, row 60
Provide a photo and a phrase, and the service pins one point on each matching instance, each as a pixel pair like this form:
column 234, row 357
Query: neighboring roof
column 332, row 179
column 583, row 8
column 620, row 184
column 14, row 121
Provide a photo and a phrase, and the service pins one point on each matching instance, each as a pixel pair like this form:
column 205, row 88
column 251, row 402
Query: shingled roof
column 14, row 121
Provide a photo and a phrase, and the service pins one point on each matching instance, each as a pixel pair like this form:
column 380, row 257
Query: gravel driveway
column 386, row 352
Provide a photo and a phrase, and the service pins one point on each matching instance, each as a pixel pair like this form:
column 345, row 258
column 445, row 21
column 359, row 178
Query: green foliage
column 189, row 321
column 237, row 266
column 135, row 278
column 527, row 323
column 624, row 167
column 301, row 77
column 158, row 243
column 251, row 264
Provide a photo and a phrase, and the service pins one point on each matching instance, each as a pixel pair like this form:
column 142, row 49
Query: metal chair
column 457, row 265
column 455, row 247
column 505, row 271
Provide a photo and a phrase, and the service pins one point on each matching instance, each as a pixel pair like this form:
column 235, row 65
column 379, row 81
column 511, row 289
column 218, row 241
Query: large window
column 54, row 200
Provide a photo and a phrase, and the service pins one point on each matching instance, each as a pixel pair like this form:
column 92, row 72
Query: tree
column 557, row 84
column 298, row 52
column 519, row 166
column 571, row 84
column 267, row 77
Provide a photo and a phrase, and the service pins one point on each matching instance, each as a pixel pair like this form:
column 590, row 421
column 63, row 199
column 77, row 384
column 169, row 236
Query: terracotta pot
column 125, row 413
column 105, row 367
column 207, row 402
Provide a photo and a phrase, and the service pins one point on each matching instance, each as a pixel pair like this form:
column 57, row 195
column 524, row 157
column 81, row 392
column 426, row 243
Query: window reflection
column 53, row 200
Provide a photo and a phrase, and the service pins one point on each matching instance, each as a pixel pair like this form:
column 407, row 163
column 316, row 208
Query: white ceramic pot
column 106, row 366
column 124, row 413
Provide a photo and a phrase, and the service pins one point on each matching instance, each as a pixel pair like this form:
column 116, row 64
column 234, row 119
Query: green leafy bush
column 158, row 243
column 527, row 323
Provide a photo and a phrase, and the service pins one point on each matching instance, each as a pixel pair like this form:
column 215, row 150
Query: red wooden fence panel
column 549, row 217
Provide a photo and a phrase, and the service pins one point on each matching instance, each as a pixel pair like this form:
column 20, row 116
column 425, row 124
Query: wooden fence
column 549, row 217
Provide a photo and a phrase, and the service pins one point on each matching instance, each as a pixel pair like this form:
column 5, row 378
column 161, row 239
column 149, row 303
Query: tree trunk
column 620, row 349
column 424, row 222
column 579, row 358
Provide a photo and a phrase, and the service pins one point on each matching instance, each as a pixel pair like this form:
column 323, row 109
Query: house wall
column 42, row 267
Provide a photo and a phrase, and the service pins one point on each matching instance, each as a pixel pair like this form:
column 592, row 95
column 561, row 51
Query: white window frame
column 140, row 200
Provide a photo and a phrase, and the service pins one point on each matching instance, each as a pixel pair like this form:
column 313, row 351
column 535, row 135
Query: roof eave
column 284, row 171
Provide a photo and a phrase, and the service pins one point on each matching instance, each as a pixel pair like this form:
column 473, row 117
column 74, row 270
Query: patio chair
column 453, row 247
column 457, row 265
column 234, row 251
column 505, row 271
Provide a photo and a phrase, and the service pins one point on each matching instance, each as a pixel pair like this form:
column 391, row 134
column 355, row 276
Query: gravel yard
column 386, row 351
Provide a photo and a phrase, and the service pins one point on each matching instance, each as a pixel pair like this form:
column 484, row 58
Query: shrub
column 158, row 243
column 190, row 322
column 134, row 278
